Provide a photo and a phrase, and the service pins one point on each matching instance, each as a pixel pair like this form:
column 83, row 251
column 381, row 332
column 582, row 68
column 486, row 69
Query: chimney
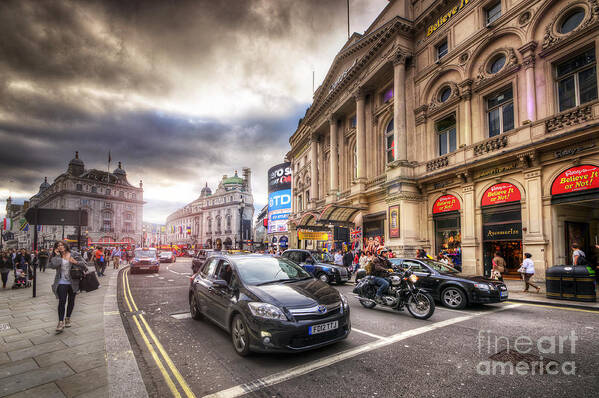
column 247, row 177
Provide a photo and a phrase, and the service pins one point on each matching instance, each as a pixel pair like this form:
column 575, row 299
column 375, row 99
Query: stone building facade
column 460, row 126
column 114, row 207
column 214, row 218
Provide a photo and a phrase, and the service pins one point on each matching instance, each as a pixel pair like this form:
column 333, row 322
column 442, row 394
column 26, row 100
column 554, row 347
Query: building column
column 313, row 168
column 533, row 230
column 469, row 244
column 334, row 160
column 466, row 87
column 361, row 133
column 400, row 135
column 528, row 61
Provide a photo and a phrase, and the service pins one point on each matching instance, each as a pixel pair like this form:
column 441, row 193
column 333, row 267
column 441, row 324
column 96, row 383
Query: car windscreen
column 440, row 267
column 254, row 271
column 323, row 257
column 145, row 253
column 166, row 254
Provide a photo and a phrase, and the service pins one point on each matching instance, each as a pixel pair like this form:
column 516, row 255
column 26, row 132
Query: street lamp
column 241, row 207
column 143, row 235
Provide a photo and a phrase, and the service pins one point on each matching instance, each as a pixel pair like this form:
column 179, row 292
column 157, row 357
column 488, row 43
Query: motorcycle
column 401, row 293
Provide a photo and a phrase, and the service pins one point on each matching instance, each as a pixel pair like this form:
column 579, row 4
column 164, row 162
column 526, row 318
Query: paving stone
column 83, row 382
column 36, row 377
column 37, row 326
column 25, row 336
column 49, row 390
column 81, row 363
column 99, row 393
column 73, row 341
column 69, row 353
column 15, row 368
column 5, row 347
column 9, row 332
column 48, row 337
column 4, row 358
column 36, row 350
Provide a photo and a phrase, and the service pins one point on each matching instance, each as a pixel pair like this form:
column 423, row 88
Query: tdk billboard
column 279, row 197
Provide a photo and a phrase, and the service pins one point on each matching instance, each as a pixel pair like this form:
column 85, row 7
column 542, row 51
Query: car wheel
column 194, row 308
column 323, row 277
column 454, row 297
column 240, row 336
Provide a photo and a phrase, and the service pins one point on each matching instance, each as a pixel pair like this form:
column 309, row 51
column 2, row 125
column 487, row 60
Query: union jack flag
column 356, row 233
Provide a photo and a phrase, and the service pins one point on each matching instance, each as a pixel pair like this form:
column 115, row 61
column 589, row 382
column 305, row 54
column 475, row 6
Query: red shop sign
column 446, row 203
column 501, row 193
column 576, row 179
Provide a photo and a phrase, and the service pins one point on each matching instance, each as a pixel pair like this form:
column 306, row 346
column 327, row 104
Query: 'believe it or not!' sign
column 445, row 204
column 576, row 179
column 501, row 193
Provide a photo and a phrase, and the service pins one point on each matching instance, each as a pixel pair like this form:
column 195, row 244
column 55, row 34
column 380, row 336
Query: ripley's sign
column 576, row 179
column 445, row 204
column 445, row 17
column 501, row 193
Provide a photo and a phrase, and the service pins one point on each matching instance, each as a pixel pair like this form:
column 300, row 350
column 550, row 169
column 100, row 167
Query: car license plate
column 503, row 294
column 323, row 327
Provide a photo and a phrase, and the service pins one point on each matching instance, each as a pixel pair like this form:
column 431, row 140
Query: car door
column 307, row 262
column 219, row 298
column 425, row 281
column 203, row 282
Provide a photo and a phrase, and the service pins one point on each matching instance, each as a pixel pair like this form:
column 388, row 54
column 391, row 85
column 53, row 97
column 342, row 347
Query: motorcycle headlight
column 267, row 311
column 344, row 301
column 413, row 278
column 482, row 286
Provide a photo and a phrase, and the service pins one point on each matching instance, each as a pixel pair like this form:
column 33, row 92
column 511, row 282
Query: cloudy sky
column 181, row 92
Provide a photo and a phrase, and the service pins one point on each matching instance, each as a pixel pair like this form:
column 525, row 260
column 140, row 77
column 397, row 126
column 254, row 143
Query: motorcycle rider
column 380, row 267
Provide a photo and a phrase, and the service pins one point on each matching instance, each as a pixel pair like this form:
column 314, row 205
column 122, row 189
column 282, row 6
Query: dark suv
column 318, row 264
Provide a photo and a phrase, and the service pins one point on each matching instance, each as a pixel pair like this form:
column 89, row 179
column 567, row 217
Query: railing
column 103, row 229
column 490, row 145
column 376, row 181
column 574, row 116
column 437, row 163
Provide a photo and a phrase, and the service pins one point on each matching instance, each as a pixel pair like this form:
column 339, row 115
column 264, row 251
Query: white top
column 578, row 253
column 529, row 266
column 338, row 259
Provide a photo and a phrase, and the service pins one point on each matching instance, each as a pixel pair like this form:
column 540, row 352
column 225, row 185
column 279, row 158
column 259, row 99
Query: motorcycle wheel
column 368, row 292
column 421, row 305
column 367, row 304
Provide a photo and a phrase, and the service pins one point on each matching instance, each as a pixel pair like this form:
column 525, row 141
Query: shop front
column 502, row 226
column 575, row 203
column 373, row 231
column 314, row 240
column 446, row 221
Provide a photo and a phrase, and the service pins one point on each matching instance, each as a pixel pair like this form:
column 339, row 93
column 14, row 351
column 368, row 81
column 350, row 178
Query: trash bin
column 565, row 282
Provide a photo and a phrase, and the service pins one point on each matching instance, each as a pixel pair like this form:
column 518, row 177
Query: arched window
column 228, row 223
column 107, row 221
column 571, row 20
column 209, row 225
column 389, row 142
column 355, row 161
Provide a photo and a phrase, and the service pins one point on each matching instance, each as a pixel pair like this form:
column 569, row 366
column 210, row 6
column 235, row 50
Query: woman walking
column 65, row 287
column 528, row 270
column 5, row 267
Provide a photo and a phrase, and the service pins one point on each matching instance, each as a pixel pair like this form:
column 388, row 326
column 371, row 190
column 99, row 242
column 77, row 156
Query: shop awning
column 330, row 214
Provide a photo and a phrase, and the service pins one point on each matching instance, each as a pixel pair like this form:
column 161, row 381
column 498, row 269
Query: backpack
column 582, row 260
column 369, row 268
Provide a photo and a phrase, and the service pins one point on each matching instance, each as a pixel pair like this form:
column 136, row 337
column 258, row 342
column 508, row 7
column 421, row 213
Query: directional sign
column 37, row 216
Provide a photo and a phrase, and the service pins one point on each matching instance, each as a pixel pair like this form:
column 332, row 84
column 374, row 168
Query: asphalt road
column 387, row 354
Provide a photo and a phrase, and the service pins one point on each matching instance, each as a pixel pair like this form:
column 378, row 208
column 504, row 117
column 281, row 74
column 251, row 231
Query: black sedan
column 449, row 286
column 268, row 304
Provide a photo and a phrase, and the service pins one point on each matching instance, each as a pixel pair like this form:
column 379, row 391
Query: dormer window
column 493, row 12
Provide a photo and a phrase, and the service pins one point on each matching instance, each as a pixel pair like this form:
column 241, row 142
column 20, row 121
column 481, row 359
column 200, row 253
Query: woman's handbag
column 89, row 282
column 76, row 273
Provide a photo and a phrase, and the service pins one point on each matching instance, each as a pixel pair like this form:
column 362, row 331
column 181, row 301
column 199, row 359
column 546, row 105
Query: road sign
column 37, row 216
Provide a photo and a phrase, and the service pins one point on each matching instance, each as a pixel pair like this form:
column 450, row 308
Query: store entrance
column 511, row 251
column 502, row 232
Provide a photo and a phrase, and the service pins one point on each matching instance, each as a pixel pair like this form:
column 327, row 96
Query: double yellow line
column 155, row 345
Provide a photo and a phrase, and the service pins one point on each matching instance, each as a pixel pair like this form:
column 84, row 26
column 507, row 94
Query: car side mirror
column 220, row 284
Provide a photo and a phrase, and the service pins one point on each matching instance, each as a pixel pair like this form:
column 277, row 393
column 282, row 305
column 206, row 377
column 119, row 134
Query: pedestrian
column 43, row 259
column 338, row 258
column 578, row 256
column 116, row 257
column 65, row 286
column 498, row 266
column 528, row 270
column 99, row 261
column 5, row 267
column 348, row 260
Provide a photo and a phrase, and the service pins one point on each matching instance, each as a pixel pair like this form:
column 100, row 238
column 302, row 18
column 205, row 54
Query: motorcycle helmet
column 381, row 250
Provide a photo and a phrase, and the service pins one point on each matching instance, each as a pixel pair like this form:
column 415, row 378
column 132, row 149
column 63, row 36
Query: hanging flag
column 7, row 224
column 188, row 230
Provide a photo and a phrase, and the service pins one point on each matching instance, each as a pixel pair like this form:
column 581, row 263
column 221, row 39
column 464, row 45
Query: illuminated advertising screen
column 279, row 197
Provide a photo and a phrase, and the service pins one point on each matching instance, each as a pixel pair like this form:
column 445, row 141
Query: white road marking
column 150, row 276
column 170, row 280
column 301, row 370
column 185, row 315
column 376, row 336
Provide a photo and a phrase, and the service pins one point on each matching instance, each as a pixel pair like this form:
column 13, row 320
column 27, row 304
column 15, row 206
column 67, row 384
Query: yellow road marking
column 555, row 307
column 161, row 349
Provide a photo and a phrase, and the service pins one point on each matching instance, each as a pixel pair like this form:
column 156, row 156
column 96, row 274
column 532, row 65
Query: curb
column 124, row 378
column 563, row 305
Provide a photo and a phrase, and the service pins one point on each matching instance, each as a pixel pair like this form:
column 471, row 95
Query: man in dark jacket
column 380, row 267
column 43, row 259
column 348, row 259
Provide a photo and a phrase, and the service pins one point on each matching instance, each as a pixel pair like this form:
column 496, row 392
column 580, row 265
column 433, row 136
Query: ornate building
column 215, row 218
column 114, row 206
column 460, row 126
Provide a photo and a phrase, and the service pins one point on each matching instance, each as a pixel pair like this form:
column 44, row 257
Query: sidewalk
column 515, row 288
column 37, row 362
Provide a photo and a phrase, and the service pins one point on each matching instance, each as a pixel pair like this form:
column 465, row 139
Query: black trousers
column 4, row 279
column 65, row 292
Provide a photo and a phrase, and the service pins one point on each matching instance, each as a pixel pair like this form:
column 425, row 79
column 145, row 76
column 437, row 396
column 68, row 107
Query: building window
column 107, row 205
column 355, row 160
column 353, row 122
column 121, row 194
column 444, row 94
column 300, row 206
column 94, row 190
column 497, row 64
column 442, row 50
column 493, row 12
column 389, row 142
column 577, row 80
column 307, row 196
column 571, row 21
column 388, row 95
column 107, row 191
column 84, row 202
column 500, row 111
column 446, row 132
column 133, row 196
column 79, row 187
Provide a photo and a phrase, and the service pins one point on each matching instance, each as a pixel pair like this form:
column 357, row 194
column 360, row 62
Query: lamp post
column 143, row 235
column 241, row 207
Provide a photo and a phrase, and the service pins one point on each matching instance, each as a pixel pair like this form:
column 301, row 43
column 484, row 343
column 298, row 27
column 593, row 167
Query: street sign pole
column 34, row 250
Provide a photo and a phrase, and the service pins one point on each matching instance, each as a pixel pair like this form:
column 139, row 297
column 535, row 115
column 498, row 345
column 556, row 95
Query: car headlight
column 482, row 286
column 344, row 301
column 267, row 311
